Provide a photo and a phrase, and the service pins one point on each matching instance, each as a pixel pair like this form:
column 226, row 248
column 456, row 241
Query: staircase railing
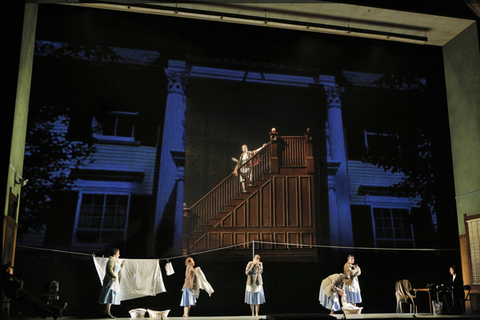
column 227, row 190
column 292, row 151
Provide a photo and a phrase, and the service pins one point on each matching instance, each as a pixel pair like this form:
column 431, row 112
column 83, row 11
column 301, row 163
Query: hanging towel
column 140, row 277
column 169, row 269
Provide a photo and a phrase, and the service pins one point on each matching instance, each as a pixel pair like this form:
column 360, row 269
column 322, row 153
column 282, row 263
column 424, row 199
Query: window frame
column 75, row 240
column 395, row 136
column 394, row 239
column 98, row 131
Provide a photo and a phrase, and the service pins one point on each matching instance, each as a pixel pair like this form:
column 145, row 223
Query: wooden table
column 429, row 296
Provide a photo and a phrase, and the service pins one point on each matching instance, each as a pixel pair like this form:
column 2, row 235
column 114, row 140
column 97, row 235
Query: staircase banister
column 210, row 192
column 226, row 179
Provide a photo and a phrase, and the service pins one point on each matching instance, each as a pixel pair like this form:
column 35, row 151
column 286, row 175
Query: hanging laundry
column 169, row 269
column 140, row 277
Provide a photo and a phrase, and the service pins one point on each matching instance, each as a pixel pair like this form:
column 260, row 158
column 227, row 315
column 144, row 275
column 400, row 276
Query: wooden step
column 212, row 222
column 223, row 214
column 227, row 209
column 236, row 202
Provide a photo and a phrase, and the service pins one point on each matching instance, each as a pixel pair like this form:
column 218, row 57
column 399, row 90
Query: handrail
column 290, row 151
column 226, row 191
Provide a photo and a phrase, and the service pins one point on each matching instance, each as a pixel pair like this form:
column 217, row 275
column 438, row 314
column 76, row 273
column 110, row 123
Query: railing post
column 185, row 228
column 309, row 163
column 274, row 157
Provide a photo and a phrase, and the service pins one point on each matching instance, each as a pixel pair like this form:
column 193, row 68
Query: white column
column 341, row 231
column 333, row 210
column 172, row 159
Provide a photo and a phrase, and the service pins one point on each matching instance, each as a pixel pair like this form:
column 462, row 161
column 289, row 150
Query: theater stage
column 313, row 316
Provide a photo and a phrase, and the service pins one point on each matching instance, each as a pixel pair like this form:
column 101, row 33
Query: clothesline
column 354, row 248
column 253, row 243
column 54, row 250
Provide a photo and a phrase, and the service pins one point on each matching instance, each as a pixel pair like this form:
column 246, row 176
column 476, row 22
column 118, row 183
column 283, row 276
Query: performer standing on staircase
column 245, row 170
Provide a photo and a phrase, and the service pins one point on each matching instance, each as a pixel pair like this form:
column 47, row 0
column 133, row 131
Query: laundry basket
column 355, row 310
column 137, row 313
column 158, row 314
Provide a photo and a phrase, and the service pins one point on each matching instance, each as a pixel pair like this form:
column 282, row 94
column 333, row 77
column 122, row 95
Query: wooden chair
column 403, row 293
column 467, row 296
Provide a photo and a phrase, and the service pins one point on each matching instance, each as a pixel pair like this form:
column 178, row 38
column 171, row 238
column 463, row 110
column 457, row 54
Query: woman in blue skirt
column 188, row 296
column 110, row 293
column 330, row 291
column 352, row 287
column 254, row 295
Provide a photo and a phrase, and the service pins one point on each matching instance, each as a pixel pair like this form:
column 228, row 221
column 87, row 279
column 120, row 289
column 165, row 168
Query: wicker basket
column 137, row 313
column 357, row 310
column 158, row 314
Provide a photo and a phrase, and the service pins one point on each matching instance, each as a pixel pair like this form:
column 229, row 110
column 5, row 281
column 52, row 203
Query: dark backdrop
column 290, row 287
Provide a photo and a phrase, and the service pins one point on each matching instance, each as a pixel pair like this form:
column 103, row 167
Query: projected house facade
column 134, row 193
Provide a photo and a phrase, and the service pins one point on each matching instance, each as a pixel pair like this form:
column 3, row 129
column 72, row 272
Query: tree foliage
column 49, row 159
column 77, row 51
column 49, row 155
column 412, row 157
column 409, row 153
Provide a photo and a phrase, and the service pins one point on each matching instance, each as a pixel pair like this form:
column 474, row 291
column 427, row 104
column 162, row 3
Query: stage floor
column 310, row 316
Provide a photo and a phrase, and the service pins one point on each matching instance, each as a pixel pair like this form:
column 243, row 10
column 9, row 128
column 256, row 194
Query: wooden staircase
column 276, row 214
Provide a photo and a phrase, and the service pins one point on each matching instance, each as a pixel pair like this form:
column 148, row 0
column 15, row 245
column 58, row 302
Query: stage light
column 22, row 182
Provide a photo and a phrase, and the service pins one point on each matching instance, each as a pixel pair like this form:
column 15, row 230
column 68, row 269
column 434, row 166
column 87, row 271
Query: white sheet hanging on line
column 140, row 277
